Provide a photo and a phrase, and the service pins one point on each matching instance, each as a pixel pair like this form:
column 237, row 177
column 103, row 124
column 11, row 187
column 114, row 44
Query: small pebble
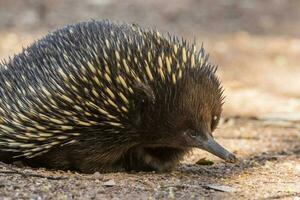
column 109, row 183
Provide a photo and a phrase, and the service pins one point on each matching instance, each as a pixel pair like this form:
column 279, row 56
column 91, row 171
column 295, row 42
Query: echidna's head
column 184, row 114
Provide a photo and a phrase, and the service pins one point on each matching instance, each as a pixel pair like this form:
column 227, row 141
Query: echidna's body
column 100, row 96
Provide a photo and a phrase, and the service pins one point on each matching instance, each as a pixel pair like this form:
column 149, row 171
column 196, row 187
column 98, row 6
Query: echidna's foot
column 160, row 159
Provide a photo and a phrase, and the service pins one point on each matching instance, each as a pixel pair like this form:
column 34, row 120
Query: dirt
column 256, row 46
column 268, row 168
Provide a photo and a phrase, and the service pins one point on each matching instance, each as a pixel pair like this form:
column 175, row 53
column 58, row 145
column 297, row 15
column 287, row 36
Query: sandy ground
column 268, row 168
column 256, row 47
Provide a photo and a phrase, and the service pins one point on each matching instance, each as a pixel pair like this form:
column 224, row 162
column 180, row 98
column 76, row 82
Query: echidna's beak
column 213, row 147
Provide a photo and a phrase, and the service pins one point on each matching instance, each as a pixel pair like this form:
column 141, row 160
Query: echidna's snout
column 215, row 148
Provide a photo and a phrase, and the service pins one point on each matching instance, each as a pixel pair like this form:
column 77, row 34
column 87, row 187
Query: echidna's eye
column 190, row 133
column 193, row 133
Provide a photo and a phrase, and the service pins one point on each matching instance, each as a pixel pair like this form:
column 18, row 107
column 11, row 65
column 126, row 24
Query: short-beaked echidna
column 101, row 96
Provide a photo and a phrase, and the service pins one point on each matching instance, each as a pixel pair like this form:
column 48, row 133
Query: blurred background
column 255, row 43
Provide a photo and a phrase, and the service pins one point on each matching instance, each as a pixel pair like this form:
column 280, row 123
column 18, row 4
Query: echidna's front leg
column 160, row 159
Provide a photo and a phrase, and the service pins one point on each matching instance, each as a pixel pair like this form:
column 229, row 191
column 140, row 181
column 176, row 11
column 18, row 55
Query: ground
column 268, row 168
column 257, row 48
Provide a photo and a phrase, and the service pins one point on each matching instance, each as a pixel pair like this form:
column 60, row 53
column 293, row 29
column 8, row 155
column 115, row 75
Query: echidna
column 101, row 96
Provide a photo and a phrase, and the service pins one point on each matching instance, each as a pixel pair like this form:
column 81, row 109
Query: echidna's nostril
column 231, row 158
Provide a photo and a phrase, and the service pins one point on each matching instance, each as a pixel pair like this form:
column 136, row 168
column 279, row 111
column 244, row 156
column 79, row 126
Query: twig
column 26, row 175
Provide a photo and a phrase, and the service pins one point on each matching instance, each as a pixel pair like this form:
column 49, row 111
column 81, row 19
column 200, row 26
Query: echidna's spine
column 81, row 80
